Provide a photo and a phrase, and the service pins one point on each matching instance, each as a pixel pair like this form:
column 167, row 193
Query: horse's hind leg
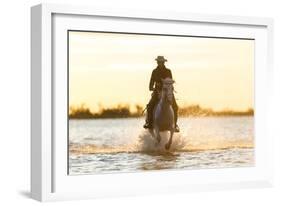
column 168, row 144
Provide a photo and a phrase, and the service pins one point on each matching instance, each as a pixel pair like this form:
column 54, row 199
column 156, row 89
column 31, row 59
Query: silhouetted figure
column 155, row 85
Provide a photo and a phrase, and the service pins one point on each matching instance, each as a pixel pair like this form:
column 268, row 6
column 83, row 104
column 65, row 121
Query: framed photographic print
column 137, row 102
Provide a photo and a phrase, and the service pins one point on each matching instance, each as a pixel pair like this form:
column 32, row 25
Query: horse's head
column 168, row 89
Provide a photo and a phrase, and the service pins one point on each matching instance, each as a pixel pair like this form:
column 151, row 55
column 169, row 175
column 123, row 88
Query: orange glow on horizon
column 109, row 69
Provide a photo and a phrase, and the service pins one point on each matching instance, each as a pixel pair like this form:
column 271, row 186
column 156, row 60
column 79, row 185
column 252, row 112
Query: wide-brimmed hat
column 161, row 59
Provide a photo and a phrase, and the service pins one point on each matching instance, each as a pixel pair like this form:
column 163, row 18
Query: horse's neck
column 163, row 102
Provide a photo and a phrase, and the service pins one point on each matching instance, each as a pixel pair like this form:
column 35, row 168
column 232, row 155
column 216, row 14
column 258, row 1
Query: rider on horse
column 161, row 72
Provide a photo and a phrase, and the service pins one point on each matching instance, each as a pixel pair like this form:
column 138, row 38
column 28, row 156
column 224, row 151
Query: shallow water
column 121, row 145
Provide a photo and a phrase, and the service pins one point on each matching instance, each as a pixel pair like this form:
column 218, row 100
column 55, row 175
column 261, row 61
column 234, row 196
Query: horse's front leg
column 152, row 132
column 158, row 137
column 168, row 144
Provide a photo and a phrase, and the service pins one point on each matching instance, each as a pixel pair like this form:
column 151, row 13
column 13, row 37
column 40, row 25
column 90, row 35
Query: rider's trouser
column 152, row 103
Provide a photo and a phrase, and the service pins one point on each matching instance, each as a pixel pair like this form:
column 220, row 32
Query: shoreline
column 189, row 116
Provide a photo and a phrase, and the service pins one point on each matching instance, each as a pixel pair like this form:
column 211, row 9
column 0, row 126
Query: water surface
column 122, row 145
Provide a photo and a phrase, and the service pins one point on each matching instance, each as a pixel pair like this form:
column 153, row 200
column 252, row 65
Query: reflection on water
column 121, row 145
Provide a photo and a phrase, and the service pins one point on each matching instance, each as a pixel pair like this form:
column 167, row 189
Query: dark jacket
column 156, row 76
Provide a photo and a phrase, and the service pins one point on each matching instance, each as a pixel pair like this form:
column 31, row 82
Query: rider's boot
column 147, row 126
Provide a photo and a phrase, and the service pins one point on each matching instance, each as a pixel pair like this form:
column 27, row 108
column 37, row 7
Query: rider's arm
column 152, row 80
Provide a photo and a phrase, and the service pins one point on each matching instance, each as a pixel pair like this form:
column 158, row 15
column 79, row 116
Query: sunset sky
column 111, row 68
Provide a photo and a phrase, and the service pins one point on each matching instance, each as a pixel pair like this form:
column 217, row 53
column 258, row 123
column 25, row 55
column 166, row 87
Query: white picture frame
column 49, row 179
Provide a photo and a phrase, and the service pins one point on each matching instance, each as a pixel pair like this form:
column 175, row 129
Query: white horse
column 163, row 114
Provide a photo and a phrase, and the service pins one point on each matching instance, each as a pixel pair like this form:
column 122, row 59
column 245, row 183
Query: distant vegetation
column 124, row 111
column 196, row 110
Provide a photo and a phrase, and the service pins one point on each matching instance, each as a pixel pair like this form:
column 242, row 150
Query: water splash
column 145, row 143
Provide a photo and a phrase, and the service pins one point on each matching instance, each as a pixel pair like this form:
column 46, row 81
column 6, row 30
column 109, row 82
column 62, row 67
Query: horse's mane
column 168, row 81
